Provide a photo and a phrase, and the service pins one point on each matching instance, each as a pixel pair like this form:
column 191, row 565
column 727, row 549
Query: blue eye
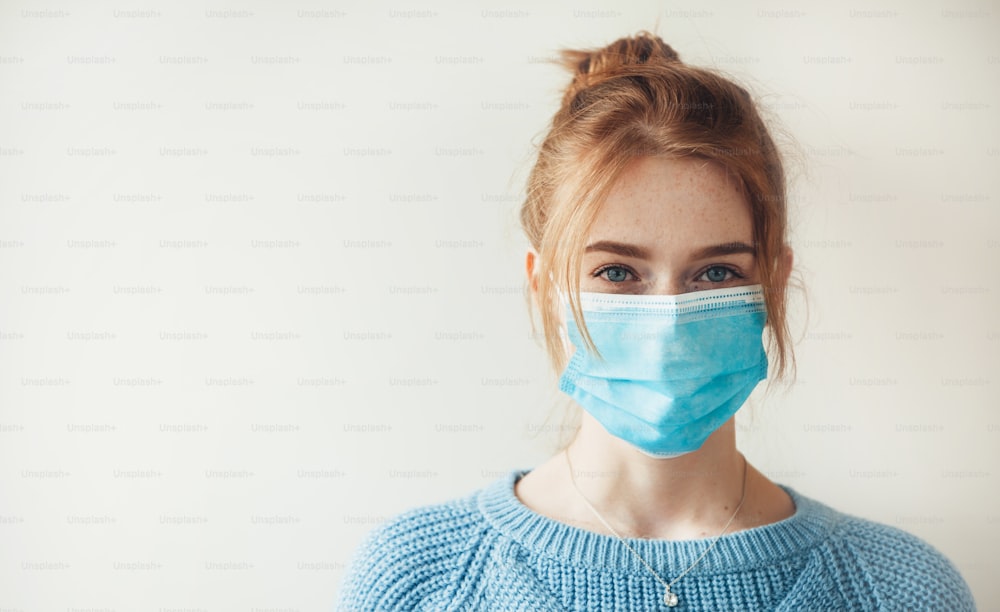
column 615, row 274
column 718, row 274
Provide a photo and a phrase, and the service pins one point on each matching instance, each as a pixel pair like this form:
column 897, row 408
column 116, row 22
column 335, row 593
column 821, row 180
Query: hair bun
column 590, row 66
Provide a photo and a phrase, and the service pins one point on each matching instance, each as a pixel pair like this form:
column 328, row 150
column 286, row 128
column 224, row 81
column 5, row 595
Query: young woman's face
column 670, row 226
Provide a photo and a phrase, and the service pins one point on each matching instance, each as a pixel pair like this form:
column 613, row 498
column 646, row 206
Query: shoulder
column 904, row 571
column 412, row 558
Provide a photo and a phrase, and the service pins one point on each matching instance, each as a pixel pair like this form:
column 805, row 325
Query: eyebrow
column 635, row 251
column 618, row 248
column 727, row 248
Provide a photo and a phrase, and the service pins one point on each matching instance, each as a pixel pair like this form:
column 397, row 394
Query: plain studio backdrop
column 262, row 278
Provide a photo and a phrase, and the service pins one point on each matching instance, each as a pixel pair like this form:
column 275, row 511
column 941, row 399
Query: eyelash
column 603, row 269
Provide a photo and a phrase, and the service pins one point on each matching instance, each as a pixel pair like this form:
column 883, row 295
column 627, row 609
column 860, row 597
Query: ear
column 529, row 264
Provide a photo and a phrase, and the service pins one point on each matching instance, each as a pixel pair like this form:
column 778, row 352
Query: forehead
column 676, row 203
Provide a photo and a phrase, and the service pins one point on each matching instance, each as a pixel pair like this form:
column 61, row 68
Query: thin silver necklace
column 669, row 597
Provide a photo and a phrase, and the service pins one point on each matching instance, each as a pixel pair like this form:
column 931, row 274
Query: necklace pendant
column 670, row 599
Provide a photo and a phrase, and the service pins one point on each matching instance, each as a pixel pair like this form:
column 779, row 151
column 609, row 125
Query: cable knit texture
column 488, row 551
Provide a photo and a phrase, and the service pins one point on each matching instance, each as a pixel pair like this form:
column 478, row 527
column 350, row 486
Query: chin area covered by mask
column 674, row 368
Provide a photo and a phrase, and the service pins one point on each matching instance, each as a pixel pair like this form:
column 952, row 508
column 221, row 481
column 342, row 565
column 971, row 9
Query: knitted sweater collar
column 742, row 550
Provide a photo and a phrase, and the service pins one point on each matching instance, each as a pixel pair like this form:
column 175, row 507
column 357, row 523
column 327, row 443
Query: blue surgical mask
column 674, row 368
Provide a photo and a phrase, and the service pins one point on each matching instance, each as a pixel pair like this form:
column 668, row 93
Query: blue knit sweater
column 488, row 551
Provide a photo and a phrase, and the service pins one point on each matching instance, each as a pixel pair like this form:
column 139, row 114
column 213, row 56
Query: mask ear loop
column 564, row 308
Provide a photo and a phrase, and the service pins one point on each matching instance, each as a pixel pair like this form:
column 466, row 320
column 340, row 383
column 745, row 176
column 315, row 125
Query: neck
column 687, row 497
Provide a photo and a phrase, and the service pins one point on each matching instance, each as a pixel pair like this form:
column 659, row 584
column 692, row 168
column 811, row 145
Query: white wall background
column 260, row 276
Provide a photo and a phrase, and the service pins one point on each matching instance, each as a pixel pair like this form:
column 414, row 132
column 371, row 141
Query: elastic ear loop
column 564, row 308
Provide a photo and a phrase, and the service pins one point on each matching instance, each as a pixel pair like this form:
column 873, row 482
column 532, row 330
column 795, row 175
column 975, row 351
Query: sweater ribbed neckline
column 540, row 535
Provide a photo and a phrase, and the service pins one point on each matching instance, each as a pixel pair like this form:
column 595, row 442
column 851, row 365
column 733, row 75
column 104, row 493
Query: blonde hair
column 632, row 99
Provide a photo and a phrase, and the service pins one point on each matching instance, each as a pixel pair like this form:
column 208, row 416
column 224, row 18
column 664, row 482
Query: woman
column 656, row 215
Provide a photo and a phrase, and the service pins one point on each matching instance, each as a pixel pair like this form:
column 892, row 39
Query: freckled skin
column 671, row 207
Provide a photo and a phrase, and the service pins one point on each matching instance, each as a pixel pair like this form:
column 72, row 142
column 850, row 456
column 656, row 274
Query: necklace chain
column 669, row 598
